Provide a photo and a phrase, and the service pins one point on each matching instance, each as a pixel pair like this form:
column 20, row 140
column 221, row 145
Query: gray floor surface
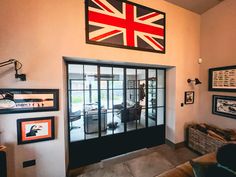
column 143, row 163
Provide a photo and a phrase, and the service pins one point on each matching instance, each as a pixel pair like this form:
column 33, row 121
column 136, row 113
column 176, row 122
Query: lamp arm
column 17, row 66
column 8, row 62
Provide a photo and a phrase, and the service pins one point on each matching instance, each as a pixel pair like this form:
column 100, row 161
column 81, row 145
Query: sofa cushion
column 185, row 169
column 226, row 156
column 200, row 169
column 174, row 173
column 209, row 169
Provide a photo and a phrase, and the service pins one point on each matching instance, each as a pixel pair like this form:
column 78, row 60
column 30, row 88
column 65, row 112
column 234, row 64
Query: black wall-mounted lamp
column 17, row 66
column 6, row 100
column 196, row 81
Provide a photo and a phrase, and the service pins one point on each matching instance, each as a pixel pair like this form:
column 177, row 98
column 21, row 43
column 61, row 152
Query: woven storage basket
column 201, row 142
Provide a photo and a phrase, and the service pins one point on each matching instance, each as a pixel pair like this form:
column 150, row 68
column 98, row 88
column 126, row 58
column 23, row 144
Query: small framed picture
column 224, row 106
column 189, row 97
column 32, row 100
column 35, row 129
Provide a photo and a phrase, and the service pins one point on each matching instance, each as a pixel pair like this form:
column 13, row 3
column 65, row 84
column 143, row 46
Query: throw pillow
column 226, row 156
column 200, row 168
column 209, row 169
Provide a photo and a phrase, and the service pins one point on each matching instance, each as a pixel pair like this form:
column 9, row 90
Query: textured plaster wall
column 217, row 50
column 40, row 33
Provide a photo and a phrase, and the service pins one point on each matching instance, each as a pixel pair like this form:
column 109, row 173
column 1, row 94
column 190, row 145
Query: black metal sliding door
column 113, row 110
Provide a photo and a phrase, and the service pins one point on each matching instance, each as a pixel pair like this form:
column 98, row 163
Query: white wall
column 39, row 33
column 217, row 50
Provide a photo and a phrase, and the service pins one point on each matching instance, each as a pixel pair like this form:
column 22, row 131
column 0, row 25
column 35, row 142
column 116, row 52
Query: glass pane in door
column 161, row 78
column 132, row 113
column 160, row 97
column 106, row 111
column 91, row 118
column 141, row 97
column 152, row 97
column 76, row 102
column 117, row 93
column 160, row 116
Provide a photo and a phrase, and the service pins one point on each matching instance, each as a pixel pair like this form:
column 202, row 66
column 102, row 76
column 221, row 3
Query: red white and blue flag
column 125, row 24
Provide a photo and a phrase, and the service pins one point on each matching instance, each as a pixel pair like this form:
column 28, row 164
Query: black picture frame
column 33, row 100
column 189, row 97
column 224, row 106
column 88, row 41
column 32, row 130
column 222, row 79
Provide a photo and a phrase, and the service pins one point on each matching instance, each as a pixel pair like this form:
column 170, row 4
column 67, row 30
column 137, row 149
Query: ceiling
column 197, row 6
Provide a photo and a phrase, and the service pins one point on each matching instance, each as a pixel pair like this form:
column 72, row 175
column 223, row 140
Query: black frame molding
column 54, row 92
column 82, row 152
column 226, row 98
column 122, row 46
column 125, row 67
column 19, row 129
column 210, row 79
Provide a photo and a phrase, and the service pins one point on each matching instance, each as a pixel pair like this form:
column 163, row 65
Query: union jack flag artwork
column 124, row 24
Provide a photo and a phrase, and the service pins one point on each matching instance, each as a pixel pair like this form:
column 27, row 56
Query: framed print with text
column 222, row 79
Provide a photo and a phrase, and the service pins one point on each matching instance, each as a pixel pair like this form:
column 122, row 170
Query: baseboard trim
column 175, row 146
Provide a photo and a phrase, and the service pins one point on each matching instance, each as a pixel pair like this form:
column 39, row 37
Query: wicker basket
column 201, row 142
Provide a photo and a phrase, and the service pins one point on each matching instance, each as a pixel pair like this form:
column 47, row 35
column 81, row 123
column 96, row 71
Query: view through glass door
column 114, row 104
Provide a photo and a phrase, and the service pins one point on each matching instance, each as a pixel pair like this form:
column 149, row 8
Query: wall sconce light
column 196, row 81
column 7, row 100
column 17, row 66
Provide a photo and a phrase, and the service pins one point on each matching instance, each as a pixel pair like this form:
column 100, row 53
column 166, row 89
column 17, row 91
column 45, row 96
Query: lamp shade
column 197, row 81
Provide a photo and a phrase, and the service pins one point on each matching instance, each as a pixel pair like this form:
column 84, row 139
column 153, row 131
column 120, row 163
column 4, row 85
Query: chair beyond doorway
column 131, row 113
column 74, row 117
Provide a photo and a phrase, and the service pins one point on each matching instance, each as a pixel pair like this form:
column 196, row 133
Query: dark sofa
column 131, row 113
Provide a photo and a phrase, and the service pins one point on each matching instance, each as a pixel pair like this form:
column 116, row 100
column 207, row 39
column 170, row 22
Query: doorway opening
column 113, row 109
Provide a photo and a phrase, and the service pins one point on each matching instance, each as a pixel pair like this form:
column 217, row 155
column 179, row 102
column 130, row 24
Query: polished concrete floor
column 143, row 163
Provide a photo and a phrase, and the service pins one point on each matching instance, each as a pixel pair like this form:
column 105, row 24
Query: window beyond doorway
column 106, row 100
